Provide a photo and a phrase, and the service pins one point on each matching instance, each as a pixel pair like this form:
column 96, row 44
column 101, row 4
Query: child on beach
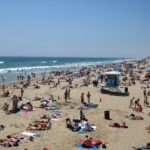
column 137, row 103
column 21, row 92
column 82, row 98
column 145, row 101
column 88, row 97
column 66, row 95
column 131, row 102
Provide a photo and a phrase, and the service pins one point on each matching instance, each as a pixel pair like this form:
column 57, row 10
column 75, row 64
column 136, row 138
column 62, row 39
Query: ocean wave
column 4, row 70
column 67, row 65
column 84, row 64
column 43, row 62
column 2, row 62
column 54, row 61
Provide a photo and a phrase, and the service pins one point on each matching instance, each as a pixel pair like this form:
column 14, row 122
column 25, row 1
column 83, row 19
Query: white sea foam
column 54, row 61
column 4, row 70
column 67, row 65
column 82, row 64
column 44, row 62
column 1, row 62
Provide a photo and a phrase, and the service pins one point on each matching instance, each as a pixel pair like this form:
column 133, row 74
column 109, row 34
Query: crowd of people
column 89, row 77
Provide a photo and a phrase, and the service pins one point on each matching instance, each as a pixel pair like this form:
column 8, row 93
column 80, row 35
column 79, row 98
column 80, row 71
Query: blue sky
column 93, row 28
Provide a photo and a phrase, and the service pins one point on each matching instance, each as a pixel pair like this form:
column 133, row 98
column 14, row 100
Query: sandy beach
column 61, row 138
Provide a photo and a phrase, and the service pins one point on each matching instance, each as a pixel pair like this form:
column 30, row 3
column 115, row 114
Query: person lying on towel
column 28, row 106
column 79, row 125
column 134, row 117
column 85, row 126
column 74, row 127
column 117, row 125
column 42, row 124
column 90, row 142
column 44, row 103
column 139, row 109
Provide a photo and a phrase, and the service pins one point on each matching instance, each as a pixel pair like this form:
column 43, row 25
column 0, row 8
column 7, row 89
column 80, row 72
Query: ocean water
column 11, row 67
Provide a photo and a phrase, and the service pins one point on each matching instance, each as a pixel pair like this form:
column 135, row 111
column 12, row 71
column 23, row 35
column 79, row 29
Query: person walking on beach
column 81, row 114
column 15, row 102
column 3, row 87
column 21, row 91
column 82, row 98
column 66, row 95
column 69, row 94
column 145, row 101
column 137, row 103
column 58, row 82
column 144, row 92
column 18, row 78
column 88, row 97
column 29, row 79
column 3, row 79
column 131, row 102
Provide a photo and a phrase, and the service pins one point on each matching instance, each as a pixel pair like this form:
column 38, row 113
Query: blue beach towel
column 91, row 105
column 79, row 146
column 82, row 132
column 85, row 131
column 18, row 113
column 143, row 148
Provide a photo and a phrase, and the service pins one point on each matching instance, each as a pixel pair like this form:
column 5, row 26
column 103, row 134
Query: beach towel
column 58, row 114
column 88, row 106
column 143, row 148
column 83, row 107
column 22, row 137
column 24, row 113
column 91, row 105
column 79, row 146
column 55, row 119
column 30, row 134
column 82, row 131
column 52, row 108
column 56, row 111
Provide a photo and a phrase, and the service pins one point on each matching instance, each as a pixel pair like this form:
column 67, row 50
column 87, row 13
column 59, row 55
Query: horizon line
column 74, row 57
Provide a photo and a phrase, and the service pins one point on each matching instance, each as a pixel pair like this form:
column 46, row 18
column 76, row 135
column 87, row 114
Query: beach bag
column 103, row 146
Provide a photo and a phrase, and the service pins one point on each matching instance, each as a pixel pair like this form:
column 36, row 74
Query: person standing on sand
column 88, row 97
column 137, row 103
column 66, row 95
column 69, row 94
column 145, row 101
column 81, row 114
column 131, row 102
column 3, row 87
column 144, row 92
column 29, row 79
column 21, row 91
column 15, row 102
column 3, row 79
column 58, row 82
column 82, row 98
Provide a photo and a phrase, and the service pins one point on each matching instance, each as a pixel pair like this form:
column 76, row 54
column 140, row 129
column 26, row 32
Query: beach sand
column 60, row 138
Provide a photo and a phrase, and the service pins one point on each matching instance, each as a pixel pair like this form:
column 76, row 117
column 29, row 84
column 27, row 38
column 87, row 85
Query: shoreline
column 73, row 68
